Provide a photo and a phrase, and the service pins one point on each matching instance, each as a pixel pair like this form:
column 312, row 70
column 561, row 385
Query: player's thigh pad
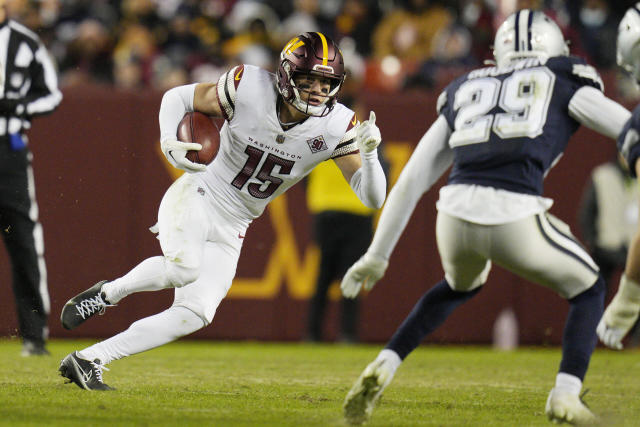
column 205, row 294
column 221, row 252
column 541, row 249
column 460, row 244
column 183, row 229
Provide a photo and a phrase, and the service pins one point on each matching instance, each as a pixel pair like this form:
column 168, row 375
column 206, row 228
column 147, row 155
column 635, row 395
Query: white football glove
column 610, row 336
column 368, row 135
column 176, row 153
column 620, row 315
column 366, row 271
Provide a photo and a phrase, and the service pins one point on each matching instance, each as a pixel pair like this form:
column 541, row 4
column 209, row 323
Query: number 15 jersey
column 257, row 159
column 510, row 125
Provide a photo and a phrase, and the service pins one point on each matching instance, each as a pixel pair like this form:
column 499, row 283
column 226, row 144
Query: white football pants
column 201, row 247
column 200, row 244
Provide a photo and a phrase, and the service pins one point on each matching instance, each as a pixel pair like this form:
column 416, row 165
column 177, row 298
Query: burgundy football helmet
column 315, row 54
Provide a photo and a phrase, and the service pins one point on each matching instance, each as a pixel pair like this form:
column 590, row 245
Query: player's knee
column 465, row 284
column 191, row 320
column 180, row 275
column 199, row 310
column 597, row 291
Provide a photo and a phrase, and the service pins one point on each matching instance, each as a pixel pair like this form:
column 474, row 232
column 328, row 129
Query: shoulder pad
column 577, row 69
column 227, row 88
column 587, row 72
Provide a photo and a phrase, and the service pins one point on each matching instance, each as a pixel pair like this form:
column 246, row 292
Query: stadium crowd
column 388, row 44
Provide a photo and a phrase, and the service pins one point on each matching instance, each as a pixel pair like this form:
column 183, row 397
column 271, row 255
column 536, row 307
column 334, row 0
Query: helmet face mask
column 316, row 56
column 628, row 42
column 528, row 34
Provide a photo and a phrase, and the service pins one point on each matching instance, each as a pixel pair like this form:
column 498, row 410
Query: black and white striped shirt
column 27, row 75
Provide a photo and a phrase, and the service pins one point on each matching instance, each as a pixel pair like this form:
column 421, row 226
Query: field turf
column 203, row 383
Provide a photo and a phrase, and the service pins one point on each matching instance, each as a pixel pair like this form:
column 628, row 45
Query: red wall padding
column 100, row 177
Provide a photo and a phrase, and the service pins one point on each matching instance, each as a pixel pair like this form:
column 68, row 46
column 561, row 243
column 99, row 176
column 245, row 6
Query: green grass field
column 202, row 383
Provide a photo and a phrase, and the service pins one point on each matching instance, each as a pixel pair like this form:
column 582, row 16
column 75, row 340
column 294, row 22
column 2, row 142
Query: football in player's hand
column 205, row 130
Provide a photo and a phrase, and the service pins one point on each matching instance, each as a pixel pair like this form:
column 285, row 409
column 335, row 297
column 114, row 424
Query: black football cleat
column 83, row 306
column 84, row 373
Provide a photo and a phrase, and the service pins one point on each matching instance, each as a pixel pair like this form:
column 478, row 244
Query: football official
column 28, row 87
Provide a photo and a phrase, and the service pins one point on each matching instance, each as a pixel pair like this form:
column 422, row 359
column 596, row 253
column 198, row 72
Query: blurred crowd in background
column 388, row 44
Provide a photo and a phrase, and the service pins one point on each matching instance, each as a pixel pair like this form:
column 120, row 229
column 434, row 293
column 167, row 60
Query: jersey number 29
column 524, row 97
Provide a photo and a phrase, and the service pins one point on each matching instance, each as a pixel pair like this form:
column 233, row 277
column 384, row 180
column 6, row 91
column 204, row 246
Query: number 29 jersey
column 257, row 159
column 510, row 125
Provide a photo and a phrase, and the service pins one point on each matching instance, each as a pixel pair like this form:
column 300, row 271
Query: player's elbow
column 376, row 201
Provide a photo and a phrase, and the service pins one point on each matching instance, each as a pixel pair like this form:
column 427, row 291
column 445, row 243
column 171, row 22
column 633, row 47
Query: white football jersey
column 257, row 160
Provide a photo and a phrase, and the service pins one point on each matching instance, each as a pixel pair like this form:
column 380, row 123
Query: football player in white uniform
column 622, row 313
column 277, row 128
column 502, row 128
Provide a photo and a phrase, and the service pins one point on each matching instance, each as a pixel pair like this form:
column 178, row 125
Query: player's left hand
column 368, row 135
column 366, row 271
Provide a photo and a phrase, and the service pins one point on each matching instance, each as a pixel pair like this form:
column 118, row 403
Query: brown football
column 205, row 130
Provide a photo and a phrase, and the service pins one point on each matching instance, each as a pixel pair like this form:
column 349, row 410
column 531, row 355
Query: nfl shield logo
column 317, row 144
column 280, row 139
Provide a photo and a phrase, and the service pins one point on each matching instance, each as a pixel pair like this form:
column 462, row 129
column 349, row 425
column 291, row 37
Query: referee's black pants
column 342, row 238
column 22, row 235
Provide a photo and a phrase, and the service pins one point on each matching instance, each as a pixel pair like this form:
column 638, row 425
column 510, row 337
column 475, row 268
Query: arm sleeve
column 347, row 144
column 369, row 182
column 175, row 104
column 44, row 95
column 593, row 109
column 431, row 158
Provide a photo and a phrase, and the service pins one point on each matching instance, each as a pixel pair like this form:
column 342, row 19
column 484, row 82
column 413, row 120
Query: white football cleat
column 566, row 407
column 361, row 399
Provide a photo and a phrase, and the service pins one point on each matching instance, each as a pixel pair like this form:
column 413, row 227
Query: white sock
column 149, row 275
column 568, row 383
column 391, row 358
column 145, row 334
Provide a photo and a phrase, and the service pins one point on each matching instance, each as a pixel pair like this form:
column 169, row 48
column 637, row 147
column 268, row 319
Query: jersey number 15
column 268, row 182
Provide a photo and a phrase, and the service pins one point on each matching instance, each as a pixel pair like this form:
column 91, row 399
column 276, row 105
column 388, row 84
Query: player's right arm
column 205, row 99
column 175, row 103
column 213, row 99
column 219, row 99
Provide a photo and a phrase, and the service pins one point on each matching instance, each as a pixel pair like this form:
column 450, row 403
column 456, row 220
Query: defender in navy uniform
column 502, row 128
column 622, row 312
